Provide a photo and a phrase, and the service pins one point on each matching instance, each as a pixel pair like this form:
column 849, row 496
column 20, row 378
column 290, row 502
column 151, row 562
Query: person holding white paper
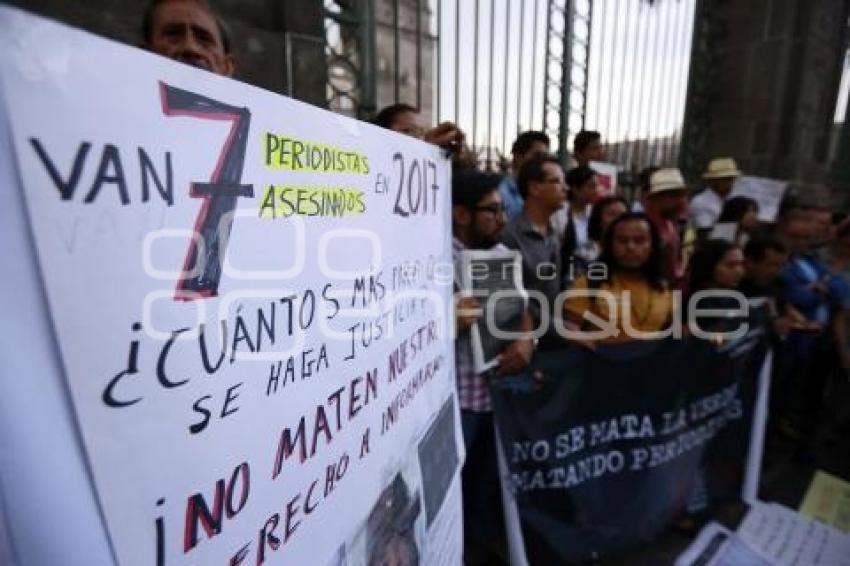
column 478, row 218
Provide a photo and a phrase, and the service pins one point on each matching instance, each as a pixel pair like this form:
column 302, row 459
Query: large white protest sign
column 250, row 301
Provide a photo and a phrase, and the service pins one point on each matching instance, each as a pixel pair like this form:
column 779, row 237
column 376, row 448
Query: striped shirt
column 473, row 390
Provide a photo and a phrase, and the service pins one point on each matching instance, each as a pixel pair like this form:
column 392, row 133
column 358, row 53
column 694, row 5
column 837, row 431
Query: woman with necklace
column 629, row 297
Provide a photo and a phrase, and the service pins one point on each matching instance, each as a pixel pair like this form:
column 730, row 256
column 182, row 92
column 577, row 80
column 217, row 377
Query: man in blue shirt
column 820, row 296
column 527, row 145
column 810, row 286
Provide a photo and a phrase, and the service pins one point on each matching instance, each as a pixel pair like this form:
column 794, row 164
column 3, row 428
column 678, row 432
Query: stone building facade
column 281, row 45
column 763, row 89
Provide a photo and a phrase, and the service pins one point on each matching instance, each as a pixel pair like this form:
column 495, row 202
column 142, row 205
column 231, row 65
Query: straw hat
column 721, row 168
column 665, row 180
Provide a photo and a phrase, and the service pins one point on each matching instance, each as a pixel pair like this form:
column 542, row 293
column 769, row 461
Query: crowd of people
column 643, row 254
column 571, row 236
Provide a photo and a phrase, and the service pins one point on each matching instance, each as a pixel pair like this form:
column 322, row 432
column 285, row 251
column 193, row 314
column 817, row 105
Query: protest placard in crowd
column 249, row 301
column 768, row 193
column 493, row 277
column 606, row 176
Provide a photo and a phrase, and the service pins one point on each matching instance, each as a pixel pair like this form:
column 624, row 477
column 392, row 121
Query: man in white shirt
column 705, row 207
column 571, row 220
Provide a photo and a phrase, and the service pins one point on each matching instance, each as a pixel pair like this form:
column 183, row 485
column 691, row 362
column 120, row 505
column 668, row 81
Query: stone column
column 763, row 88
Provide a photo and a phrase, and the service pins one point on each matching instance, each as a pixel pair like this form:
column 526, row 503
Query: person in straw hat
column 665, row 203
column 706, row 206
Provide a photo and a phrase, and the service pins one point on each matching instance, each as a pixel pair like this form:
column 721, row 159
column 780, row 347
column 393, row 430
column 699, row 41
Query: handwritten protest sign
column 768, row 193
column 249, row 296
column 606, row 175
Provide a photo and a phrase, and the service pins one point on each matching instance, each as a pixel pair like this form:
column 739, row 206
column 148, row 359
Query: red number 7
column 202, row 267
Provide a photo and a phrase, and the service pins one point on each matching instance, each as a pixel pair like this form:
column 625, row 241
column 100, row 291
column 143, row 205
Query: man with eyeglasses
column 532, row 232
column 478, row 218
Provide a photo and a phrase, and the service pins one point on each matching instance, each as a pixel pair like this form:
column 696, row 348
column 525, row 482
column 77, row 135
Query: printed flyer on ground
column 249, row 297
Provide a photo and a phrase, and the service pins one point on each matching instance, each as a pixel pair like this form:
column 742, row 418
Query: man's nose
column 190, row 42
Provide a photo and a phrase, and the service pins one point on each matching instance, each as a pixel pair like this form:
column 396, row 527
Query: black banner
column 604, row 448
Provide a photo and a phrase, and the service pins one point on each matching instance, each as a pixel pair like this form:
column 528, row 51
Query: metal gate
column 498, row 67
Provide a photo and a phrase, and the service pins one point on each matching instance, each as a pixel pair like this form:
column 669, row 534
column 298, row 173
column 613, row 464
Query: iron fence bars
column 683, row 70
column 616, row 66
column 579, row 50
column 490, row 89
column 350, row 54
column 637, row 78
column 556, row 82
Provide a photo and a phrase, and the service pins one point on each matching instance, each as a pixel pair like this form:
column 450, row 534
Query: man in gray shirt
column 541, row 184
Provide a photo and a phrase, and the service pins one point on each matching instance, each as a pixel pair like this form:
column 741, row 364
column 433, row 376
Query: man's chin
column 197, row 64
column 486, row 243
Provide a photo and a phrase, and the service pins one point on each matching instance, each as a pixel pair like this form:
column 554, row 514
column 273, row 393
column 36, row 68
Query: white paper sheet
column 790, row 539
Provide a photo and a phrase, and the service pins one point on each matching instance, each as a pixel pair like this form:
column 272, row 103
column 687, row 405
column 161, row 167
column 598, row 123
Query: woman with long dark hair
column 630, row 291
column 605, row 211
column 717, row 266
